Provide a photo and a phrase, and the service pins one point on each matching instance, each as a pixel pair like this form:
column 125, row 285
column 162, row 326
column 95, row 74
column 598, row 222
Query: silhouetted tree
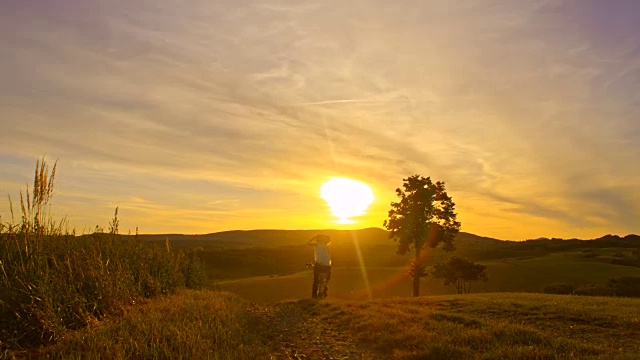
column 424, row 216
column 459, row 272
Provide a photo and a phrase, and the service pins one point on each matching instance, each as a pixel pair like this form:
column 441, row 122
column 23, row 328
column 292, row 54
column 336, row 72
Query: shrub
column 558, row 288
column 594, row 290
column 193, row 269
column 625, row 286
column 629, row 261
column 460, row 272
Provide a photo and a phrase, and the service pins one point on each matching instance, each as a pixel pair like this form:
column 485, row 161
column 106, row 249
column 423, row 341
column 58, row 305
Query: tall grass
column 52, row 281
column 193, row 324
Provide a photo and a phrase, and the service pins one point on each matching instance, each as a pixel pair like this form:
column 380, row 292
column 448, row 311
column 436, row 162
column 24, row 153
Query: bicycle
column 323, row 283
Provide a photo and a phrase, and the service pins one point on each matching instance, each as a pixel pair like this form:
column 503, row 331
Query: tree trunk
column 416, row 276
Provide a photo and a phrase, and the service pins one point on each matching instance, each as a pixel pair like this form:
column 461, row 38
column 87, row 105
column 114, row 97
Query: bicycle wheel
column 322, row 286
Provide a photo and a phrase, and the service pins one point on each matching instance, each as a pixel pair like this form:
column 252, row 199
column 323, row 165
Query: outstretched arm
column 312, row 241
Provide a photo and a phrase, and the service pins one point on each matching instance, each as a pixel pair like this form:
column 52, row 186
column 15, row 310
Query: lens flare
column 346, row 198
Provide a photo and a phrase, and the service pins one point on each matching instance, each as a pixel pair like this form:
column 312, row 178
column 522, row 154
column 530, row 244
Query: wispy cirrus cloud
column 527, row 110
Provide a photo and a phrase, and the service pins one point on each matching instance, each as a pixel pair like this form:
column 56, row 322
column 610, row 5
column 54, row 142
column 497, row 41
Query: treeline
column 544, row 246
column 623, row 286
column 607, row 241
column 52, row 281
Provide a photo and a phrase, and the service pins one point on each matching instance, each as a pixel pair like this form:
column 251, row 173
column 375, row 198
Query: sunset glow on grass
column 346, row 198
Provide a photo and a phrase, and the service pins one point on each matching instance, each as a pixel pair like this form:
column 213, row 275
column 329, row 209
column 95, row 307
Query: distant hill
column 268, row 238
column 239, row 254
column 239, row 239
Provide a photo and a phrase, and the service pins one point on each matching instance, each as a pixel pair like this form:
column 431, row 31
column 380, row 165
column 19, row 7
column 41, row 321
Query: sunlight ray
column 363, row 267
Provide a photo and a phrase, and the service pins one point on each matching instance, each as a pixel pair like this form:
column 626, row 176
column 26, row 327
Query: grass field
column 214, row 325
column 374, row 246
column 492, row 326
column 189, row 325
column 505, row 275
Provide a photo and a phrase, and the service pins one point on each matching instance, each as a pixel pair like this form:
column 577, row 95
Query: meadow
column 218, row 325
column 505, row 275
column 264, row 273
column 187, row 325
column 486, row 326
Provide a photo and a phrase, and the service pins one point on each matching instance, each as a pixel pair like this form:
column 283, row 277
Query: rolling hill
column 274, row 273
column 241, row 254
column 240, row 239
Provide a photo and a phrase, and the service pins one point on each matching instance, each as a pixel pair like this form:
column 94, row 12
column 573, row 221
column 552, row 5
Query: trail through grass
column 487, row 326
column 294, row 330
column 218, row 325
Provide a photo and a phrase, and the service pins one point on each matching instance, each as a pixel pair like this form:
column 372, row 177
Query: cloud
column 521, row 104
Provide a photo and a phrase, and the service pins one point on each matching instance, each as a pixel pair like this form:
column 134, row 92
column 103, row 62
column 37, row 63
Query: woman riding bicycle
column 322, row 258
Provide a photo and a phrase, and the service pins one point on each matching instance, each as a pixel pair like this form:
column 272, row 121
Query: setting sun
column 346, row 198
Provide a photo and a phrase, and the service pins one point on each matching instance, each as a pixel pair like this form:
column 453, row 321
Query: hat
column 322, row 238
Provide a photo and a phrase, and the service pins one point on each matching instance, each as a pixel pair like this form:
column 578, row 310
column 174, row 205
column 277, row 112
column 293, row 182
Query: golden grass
column 52, row 281
column 188, row 325
column 492, row 326
column 217, row 325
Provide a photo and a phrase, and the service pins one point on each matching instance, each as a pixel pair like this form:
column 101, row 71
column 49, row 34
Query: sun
column 346, row 198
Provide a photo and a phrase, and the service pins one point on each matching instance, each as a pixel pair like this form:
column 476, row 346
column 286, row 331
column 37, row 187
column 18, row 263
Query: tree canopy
column 424, row 216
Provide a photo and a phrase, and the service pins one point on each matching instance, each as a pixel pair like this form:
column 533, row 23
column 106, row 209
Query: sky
column 201, row 116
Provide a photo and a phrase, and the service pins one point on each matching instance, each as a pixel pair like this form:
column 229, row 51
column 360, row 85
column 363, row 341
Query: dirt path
column 295, row 331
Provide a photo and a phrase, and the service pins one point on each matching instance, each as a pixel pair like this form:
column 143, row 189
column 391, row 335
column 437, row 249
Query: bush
column 629, row 261
column 558, row 288
column 625, row 286
column 194, row 272
column 594, row 290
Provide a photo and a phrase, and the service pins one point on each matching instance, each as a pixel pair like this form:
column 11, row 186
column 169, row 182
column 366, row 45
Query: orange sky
column 229, row 115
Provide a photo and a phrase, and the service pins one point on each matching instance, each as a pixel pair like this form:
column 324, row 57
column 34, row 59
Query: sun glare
column 346, row 198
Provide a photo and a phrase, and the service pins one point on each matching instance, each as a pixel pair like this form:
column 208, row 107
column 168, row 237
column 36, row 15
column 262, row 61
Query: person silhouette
column 322, row 258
